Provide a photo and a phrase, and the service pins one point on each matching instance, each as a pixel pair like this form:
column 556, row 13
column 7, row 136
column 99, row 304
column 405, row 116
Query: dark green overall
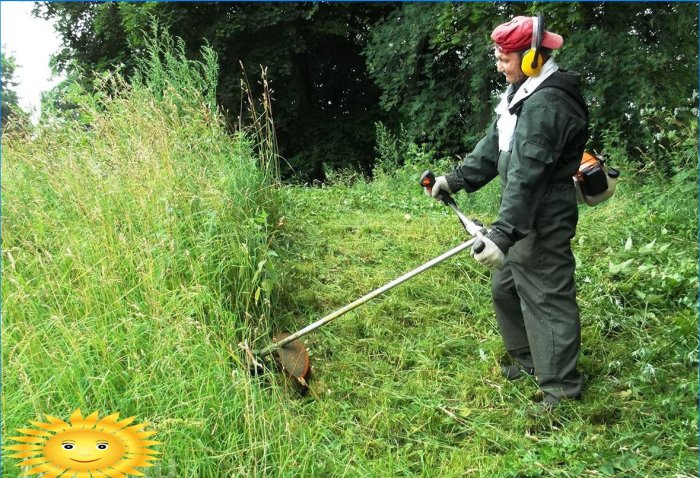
column 534, row 293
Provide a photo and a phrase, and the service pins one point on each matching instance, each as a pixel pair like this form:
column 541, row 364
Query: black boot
column 514, row 372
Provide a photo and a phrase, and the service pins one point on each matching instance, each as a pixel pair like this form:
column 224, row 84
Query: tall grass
column 136, row 257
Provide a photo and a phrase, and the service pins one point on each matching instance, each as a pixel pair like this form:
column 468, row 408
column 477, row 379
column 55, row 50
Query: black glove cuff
column 454, row 183
column 500, row 240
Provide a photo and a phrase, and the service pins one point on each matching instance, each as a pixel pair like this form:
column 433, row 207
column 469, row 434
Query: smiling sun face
column 85, row 445
column 83, row 450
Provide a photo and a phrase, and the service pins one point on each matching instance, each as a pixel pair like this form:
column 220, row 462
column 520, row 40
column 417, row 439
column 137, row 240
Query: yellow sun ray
column 90, row 420
column 26, row 454
column 32, row 461
column 52, row 474
column 146, row 443
column 127, row 468
column 76, row 419
column 29, row 431
column 54, row 420
column 112, row 473
column 28, row 439
column 108, row 420
column 22, row 447
column 139, row 435
column 113, row 424
column 134, row 434
column 125, row 422
column 99, row 474
column 145, row 452
column 55, row 425
column 108, row 427
column 49, row 468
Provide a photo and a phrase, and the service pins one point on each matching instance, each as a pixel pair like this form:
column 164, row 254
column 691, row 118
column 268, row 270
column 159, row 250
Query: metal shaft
column 472, row 228
column 364, row 298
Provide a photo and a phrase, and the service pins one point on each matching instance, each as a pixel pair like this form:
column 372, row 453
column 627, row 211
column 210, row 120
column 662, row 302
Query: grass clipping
column 136, row 243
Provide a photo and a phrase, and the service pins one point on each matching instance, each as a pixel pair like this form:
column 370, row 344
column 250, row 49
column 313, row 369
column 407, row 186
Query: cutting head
column 293, row 358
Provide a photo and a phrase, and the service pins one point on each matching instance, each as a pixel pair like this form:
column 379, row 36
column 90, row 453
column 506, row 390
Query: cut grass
column 408, row 385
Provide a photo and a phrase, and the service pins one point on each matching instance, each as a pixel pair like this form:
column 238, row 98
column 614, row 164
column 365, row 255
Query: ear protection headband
column 532, row 60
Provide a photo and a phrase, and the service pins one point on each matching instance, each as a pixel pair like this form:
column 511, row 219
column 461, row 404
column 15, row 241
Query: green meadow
column 145, row 245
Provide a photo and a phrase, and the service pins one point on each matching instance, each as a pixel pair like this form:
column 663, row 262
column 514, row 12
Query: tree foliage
column 325, row 104
column 434, row 63
column 436, row 77
column 336, row 69
column 10, row 101
column 633, row 56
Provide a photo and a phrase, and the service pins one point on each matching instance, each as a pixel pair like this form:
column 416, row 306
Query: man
column 535, row 146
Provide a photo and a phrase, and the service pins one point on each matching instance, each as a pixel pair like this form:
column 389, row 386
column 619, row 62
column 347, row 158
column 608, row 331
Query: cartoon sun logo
column 87, row 447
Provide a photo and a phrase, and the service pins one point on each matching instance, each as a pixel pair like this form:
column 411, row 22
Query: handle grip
column 427, row 180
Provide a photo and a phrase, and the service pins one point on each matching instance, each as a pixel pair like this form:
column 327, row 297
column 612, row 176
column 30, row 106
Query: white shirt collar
column 531, row 84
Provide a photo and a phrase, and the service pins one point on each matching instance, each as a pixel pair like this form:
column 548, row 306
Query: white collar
column 531, row 84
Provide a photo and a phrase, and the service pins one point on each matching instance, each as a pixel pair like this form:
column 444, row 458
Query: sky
column 31, row 41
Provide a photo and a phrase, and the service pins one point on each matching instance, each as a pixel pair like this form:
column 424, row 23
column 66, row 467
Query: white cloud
column 31, row 41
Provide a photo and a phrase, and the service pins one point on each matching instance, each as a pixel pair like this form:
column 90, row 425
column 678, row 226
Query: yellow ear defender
column 532, row 60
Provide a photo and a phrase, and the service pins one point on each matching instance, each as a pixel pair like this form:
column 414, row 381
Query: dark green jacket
column 546, row 151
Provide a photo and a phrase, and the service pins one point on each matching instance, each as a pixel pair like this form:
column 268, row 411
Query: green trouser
column 534, row 297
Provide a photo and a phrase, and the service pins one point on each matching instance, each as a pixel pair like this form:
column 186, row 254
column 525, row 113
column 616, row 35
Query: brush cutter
column 289, row 351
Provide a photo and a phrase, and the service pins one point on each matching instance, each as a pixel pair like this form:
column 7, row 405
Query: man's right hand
column 490, row 255
column 439, row 186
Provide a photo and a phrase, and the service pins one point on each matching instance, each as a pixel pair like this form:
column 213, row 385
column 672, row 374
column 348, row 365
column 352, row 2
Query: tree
column 336, row 69
column 10, row 103
column 325, row 104
column 434, row 64
column 633, row 56
column 435, row 81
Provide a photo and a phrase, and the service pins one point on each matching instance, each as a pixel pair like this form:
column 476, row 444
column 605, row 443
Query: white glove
column 491, row 255
column 440, row 185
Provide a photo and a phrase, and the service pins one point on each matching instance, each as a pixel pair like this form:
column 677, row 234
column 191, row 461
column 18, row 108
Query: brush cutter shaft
column 427, row 180
column 472, row 228
column 365, row 298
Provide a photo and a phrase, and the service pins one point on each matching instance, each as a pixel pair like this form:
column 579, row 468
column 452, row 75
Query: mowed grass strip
column 408, row 384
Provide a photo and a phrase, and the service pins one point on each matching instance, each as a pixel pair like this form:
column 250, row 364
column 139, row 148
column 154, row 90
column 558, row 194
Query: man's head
column 512, row 40
column 509, row 65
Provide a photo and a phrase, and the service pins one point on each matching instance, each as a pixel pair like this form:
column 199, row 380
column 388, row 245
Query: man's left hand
column 491, row 255
column 438, row 188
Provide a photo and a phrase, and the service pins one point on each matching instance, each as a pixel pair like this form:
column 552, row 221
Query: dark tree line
column 337, row 68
